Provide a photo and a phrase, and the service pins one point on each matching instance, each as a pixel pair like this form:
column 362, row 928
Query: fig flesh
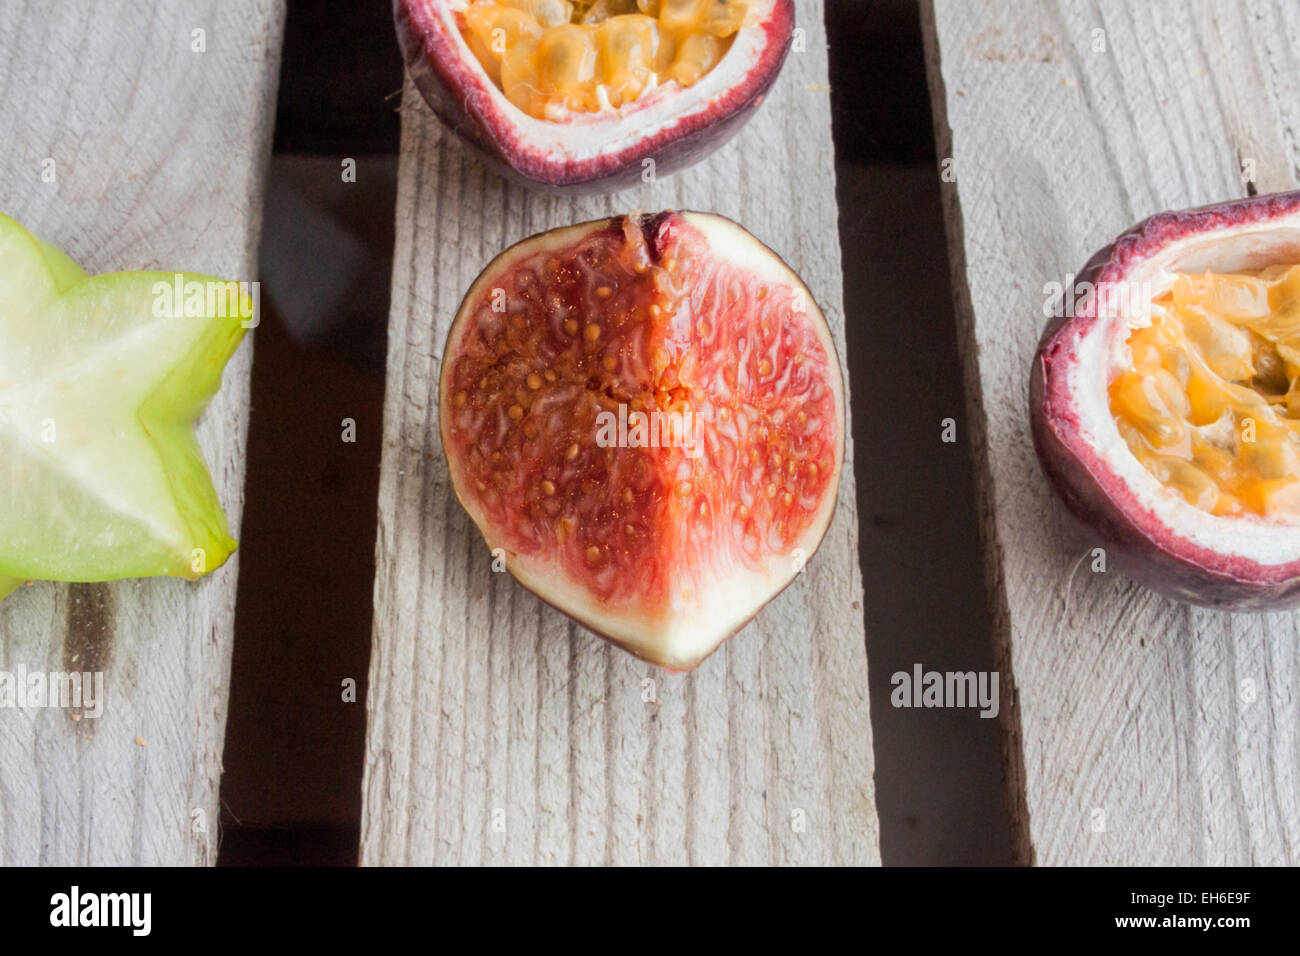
column 588, row 96
column 645, row 414
column 1165, row 404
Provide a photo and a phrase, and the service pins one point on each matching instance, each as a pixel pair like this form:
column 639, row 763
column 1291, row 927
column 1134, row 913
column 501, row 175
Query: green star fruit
column 101, row 380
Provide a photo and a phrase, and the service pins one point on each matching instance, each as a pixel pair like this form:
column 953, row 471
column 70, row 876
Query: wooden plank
column 1143, row 731
column 483, row 700
column 158, row 152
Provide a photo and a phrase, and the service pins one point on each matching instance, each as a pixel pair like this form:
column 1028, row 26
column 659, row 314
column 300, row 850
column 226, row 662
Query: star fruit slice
column 101, row 380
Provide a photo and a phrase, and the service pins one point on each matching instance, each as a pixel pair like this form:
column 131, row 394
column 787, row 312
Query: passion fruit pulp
column 1166, row 409
column 555, row 57
column 581, row 95
column 646, row 415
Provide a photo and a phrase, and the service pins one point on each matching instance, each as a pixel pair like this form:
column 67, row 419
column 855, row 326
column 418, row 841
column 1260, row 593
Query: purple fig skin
column 1134, row 540
column 479, row 121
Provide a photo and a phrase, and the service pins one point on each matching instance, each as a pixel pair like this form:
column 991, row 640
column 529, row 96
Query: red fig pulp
column 646, row 415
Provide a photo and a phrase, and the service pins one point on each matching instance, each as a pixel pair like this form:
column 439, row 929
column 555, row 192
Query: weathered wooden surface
column 488, row 707
column 158, row 153
column 1146, row 732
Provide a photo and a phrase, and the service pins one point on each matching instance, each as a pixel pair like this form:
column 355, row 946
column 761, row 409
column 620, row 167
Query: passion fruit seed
column 552, row 57
column 1206, row 361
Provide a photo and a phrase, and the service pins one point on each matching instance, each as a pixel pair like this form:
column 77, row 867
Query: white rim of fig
column 655, row 111
column 1102, row 352
column 693, row 630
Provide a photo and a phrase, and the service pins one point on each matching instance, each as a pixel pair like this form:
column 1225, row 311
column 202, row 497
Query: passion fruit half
column 1166, row 406
column 579, row 94
column 646, row 415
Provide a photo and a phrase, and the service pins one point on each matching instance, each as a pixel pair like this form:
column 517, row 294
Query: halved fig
column 580, row 93
column 646, row 415
column 1166, row 407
